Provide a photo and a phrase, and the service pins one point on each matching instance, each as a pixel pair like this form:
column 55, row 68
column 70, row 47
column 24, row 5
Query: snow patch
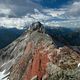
column 2, row 75
column 78, row 64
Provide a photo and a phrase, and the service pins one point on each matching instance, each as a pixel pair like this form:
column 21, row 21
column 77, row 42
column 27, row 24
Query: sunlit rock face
column 35, row 55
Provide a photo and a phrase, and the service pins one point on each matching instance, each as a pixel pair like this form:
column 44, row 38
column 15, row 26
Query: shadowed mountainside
column 8, row 35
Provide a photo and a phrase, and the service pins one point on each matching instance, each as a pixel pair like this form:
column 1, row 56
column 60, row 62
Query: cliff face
column 35, row 56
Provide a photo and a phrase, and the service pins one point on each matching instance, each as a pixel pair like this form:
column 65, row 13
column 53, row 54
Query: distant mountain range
column 8, row 35
column 70, row 35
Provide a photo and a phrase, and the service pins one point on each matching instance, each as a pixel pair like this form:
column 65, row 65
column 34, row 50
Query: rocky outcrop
column 35, row 56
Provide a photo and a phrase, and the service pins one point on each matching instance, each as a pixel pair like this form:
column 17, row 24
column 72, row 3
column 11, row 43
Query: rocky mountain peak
column 34, row 56
column 37, row 26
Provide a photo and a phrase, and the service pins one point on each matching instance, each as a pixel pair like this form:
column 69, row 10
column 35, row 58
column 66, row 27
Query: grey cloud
column 5, row 10
column 19, row 7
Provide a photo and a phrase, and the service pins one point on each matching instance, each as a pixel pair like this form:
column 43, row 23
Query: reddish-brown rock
column 38, row 65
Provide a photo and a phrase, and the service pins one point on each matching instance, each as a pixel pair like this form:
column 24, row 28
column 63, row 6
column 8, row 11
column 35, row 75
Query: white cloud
column 74, row 9
column 44, row 16
column 5, row 10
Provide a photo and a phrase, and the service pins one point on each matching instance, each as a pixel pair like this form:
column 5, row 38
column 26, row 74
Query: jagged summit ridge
column 37, row 26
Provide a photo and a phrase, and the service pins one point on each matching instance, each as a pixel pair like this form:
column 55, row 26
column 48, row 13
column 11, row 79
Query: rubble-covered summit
column 35, row 56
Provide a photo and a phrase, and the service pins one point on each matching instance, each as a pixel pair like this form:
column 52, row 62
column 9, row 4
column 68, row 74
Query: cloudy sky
column 21, row 7
column 20, row 11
